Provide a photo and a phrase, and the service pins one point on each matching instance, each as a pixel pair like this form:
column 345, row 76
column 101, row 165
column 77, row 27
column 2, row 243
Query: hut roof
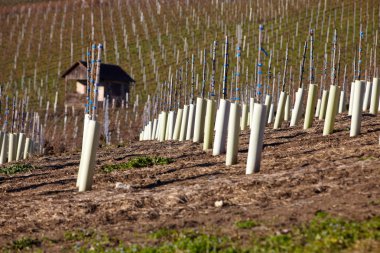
column 108, row 72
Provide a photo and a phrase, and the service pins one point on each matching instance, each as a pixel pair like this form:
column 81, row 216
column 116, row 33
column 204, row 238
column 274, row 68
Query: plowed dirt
column 302, row 172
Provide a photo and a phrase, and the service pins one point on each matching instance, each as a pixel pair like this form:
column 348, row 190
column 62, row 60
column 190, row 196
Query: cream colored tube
column 27, row 146
column 297, row 110
column 331, row 111
column 4, row 149
column 287, row 108
column 216, row 118
column 268, row 102
column 31, row 148
column 318, row 108
column 20, row 146
column 248, row 119
column 280, row 111
column 185, row 116
column 190, row 122
column 342, row 102
column 221, row 126
column 244, row 117
column 143, row 133
column 11, row 147
column 159, row 122
column 251, row 105
column 164, row 119
column 199, row 123
column 171, row 123
column 89, row 153
column 147, row 131
column 375, row 96
column 233, row 134
column 209, row 124
column 367, row 96
column 178, row 122
column 87, row 119
column 310, row 105
column 15, row 145
column 271, row 114
column 154, row 130
column 167, row 127
column 150, row 129
column 322, row 112
column 2, row 134
column 351, row 98
column 357, row 106
column 256, row 139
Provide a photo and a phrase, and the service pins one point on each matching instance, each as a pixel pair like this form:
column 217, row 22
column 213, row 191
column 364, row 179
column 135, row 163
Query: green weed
column 322, row 234
column 162, row 233
column 16, row 168
column 91, row 241
column 365, row 158
column 78, row 235
column 375, row 202
column 138, row 162
column 25, row 243
column 246, row 224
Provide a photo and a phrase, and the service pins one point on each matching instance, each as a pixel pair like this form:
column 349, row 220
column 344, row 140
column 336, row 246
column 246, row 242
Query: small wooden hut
column 114, row 81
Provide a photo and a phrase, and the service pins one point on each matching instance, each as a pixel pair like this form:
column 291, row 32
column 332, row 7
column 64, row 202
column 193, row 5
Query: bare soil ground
column 302, row 172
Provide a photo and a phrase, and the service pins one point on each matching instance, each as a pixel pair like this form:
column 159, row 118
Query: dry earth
column 302, row 172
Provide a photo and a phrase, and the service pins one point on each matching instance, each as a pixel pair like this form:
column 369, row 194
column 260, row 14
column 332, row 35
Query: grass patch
column 172, row 241
column 78, row 235
column 90, row 241
column 246, row 224
column 137, row 162
column 375, row 202
column 16, row 168
column 162, row 233
column 191, row 241
column 322, row 234
column 365, row 158
column 25, row 243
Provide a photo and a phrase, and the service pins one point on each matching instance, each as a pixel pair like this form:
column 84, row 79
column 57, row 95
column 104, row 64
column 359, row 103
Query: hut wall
column 81, row 89
column 101, row 93
column 78, row 73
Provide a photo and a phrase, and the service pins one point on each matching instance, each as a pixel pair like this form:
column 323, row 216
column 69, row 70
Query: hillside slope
column 302, row 173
